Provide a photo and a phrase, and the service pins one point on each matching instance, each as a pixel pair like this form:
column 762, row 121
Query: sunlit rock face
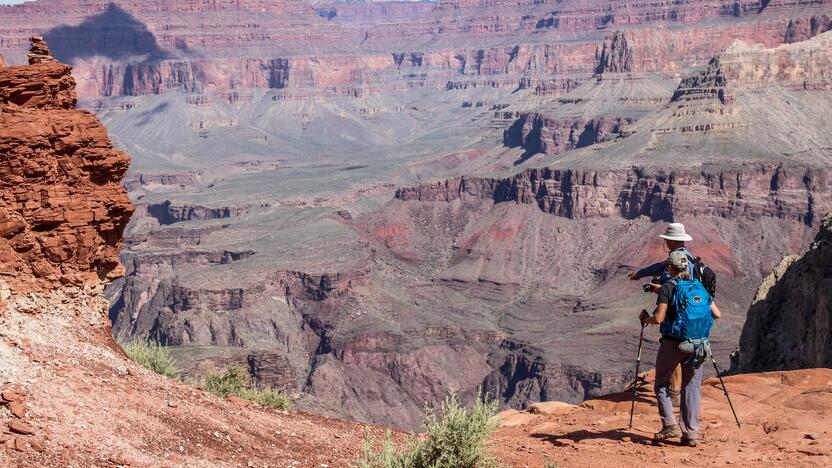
column 62, row 208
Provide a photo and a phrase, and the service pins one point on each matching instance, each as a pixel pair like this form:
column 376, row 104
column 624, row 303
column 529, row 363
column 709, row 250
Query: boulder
column 551, row 408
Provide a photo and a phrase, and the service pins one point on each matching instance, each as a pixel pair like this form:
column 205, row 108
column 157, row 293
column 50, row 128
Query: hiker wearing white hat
column 674, row 238
column 676, row 232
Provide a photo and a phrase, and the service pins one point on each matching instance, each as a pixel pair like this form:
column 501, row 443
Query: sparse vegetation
column 152, row 356
column 235, row 381
column 456, row 438
column 229, row 381
column 232, row 380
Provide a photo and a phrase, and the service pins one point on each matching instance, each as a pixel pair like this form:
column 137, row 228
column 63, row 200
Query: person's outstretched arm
column 655, row 269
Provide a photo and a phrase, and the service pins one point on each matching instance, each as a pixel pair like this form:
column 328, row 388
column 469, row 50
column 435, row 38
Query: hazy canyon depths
column 370, row 204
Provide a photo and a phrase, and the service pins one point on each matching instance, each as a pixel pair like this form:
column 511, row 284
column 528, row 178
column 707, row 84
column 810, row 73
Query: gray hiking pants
column 667, row 359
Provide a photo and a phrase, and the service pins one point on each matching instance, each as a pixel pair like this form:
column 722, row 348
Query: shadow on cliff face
column 114, row 34
column 788, row 325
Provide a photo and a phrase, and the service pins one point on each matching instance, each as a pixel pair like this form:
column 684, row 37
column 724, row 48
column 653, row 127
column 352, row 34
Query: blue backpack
column 693, row 311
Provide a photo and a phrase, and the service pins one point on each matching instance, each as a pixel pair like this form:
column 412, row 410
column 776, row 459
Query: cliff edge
column 68, row 393
column 789, row 324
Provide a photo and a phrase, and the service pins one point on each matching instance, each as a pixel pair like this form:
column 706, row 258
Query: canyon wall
column 752, row 191
column 540, row 45
column 62, row 209
column 789, row 324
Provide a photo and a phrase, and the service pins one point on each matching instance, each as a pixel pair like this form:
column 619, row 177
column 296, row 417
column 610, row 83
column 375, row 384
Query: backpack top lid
column 693, row 311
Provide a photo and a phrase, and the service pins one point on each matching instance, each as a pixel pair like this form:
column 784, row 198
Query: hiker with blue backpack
column 685, row 311
column 674, row 239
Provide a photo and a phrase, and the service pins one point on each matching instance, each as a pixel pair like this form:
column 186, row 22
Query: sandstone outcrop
column 62, row 210
column 789, row 324
column 39, row 52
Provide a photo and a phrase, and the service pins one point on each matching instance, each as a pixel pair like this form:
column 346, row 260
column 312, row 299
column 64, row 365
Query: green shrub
column 269, row 398
column 229, row 381
column 235, row 381
column 152, row 356
column 387, row 457
column 456, row 438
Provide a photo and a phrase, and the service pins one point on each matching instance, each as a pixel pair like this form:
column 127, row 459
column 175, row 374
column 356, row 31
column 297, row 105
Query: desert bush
column 152, row 356
column 235, row 381
column 269, row 398
column 455, row 438
column 229, row 381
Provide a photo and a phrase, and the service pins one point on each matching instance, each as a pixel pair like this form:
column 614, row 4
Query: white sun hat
column 676, row 232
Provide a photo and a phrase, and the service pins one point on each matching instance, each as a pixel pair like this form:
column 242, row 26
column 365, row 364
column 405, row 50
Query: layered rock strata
column 537, row 133
column 543, row 45
column 62, row 210
column 750, row 191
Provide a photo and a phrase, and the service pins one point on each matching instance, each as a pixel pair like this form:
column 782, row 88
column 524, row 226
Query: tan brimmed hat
column 676, row 232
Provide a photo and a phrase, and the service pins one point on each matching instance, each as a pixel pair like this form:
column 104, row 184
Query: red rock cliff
column 62, row 208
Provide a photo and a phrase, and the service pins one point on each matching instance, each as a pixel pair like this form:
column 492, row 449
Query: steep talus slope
column 788, row 325
column 69, row 394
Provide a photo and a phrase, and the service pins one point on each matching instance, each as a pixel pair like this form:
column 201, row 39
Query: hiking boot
column 668, row 432
column 675, row 397
column 689, row 442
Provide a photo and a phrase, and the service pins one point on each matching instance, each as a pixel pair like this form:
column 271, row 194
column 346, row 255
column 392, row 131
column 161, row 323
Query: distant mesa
column 115, row 34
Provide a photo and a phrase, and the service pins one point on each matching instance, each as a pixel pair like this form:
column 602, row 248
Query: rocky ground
column 784, row 415
column 72, row 398
column 78, row 400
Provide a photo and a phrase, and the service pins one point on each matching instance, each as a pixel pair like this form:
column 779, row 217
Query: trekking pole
column 635, row 381
column 724, row 389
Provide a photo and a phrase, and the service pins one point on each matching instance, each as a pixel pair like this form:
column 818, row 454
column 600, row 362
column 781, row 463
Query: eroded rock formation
column 752, row 191
column 537, row 133
column 615, row 56
column 789, row 324
column 62, row 210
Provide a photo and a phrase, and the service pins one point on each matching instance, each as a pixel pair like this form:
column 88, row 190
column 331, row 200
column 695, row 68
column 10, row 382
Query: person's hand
column 633, row 275
column 644, row 316
column 655, row 288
